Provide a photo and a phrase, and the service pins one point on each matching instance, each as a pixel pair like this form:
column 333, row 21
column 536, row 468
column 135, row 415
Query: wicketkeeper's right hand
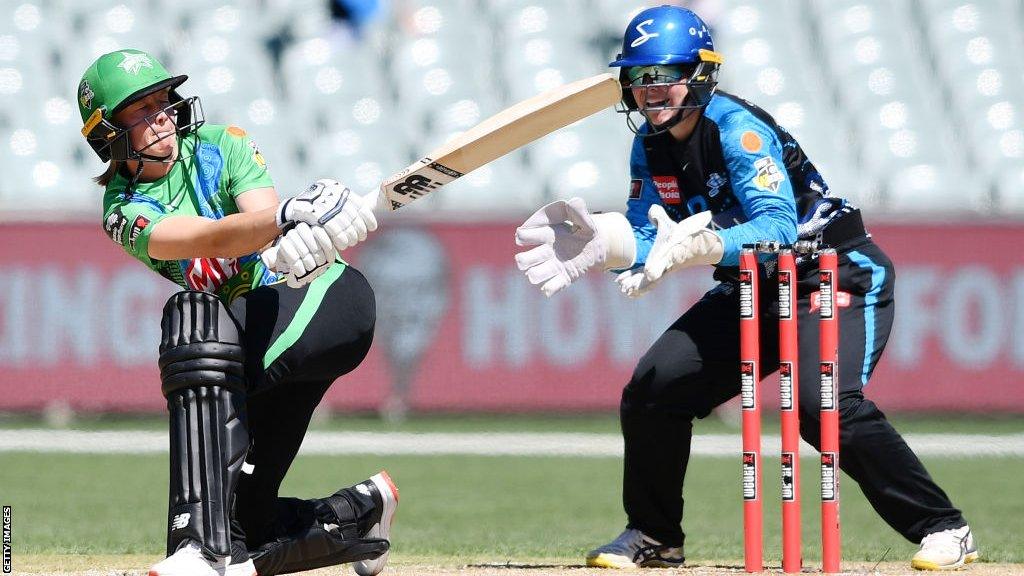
column 345, row 216
column 569, row 240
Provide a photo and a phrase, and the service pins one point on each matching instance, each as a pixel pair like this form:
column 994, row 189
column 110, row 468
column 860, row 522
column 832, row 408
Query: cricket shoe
column 240, row 564
column 246, row 568
column 634, row 549
column 189, row 560
column 385, row 494
column 946, row 550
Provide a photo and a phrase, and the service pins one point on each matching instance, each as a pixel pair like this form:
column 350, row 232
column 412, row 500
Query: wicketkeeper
column 711, row 172
column 245, row 357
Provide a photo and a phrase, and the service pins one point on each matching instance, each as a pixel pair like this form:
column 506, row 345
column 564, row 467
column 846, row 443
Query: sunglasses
column 658, row 73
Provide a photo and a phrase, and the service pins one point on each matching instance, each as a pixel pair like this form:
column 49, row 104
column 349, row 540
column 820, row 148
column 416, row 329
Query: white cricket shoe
column 634, row 549
column 246, row 568
column 946, row 550
column 386, row 495
column 189, row 560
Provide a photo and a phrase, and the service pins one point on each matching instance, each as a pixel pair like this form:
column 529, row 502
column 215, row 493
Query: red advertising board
column 79, row 323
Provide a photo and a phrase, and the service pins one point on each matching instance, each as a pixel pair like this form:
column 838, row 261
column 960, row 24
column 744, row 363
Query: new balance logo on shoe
column 180, row 521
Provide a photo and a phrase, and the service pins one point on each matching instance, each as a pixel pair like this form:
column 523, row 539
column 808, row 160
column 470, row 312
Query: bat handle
column 378, row 200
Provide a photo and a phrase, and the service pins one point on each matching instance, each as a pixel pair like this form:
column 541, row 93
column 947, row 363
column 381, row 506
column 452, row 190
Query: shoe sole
column 389, row 497
column 610, row 561
column 932, row 566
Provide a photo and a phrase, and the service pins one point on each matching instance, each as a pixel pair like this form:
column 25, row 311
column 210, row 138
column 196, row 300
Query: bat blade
column 500, row 134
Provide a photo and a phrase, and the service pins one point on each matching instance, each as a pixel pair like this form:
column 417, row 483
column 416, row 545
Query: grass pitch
column 459, row 511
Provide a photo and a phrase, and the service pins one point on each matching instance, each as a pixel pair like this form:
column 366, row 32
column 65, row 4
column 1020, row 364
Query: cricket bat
column 512, row 128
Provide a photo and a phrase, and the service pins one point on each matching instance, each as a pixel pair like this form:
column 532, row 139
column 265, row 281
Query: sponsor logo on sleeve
column 137, row 227
column 768, row 176
column 114, row 226
column 236, row 131
column 635, row 186
column 668, row 189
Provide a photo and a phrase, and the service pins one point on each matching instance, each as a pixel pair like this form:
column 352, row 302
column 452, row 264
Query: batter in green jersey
column 244, row 358
column 217, row 164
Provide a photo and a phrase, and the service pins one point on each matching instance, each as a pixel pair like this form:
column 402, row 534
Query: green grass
column 569, row 422
column 489, row 509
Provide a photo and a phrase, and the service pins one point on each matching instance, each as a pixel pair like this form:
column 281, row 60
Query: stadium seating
column 909, row 107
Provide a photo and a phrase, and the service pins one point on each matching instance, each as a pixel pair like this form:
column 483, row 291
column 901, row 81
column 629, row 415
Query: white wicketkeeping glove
column 301, row 254
column 633, row 283
column 568, row 240
column 345, row 216
column 685, row 244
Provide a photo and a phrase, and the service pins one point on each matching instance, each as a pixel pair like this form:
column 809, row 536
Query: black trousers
column 297, row 343
column 694, row 366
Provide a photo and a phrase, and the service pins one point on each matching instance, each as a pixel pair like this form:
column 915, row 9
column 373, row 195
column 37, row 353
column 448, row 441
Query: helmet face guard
column 111, row 141
column 701, row 81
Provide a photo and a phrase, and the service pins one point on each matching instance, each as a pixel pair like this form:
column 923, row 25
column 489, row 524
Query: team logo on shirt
column 256, row 155
column 114, row 226
column 768, row 176
column 668, row 189
column 137, row 227
column 714, row 184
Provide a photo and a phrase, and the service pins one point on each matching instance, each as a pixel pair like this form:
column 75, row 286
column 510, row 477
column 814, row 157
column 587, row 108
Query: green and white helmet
column 114, row 81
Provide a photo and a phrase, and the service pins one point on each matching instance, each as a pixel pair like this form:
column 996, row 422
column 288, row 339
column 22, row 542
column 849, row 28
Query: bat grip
column 378, row 201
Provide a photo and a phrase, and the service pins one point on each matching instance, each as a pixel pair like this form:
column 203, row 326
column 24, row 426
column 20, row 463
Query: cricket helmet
column 114, row 81
column 669, row 36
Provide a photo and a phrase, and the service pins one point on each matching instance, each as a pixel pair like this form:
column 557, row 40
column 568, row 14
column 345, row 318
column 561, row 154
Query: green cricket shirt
column 215, row 164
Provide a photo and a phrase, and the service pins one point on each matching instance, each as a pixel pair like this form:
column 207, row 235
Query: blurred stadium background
column 911, row 108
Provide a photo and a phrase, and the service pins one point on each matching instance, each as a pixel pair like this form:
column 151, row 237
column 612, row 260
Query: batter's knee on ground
column 203, row 378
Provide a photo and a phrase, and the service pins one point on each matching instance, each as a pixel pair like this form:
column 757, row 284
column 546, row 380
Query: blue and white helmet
column 674, row 36
column 666, row 35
